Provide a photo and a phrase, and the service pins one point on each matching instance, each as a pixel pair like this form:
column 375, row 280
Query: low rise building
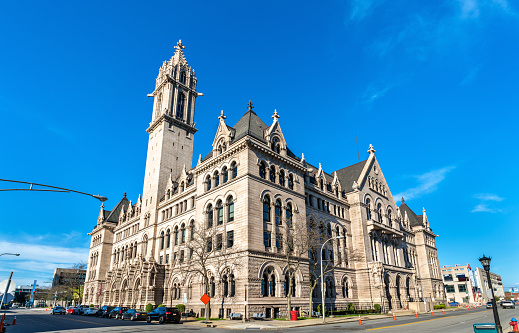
column 459, row 284
column 68, row 276
column 482, row 283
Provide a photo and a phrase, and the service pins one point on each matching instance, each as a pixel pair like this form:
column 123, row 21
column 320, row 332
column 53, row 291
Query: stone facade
column 240, row 223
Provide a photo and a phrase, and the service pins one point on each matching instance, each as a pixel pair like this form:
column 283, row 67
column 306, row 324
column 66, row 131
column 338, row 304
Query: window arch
column 329, row 287
column 212, row 286
column 209, row 216
column 192, row 227
column 219, row 212
column 232, row 282
column 390, row 217
column 368, row 209
column 277, row 212
column 268, row 283
column 168, row 239
column 288, row 214
column 183, row 233
column 145, row 245
column 234, row 170
column 275, row 145
column 263, row 170
column 282, row 177
column 291, row 181
column 266, row 209
column 182, row 78
column 180, row 105
column 230, row 209
column 176, row 235
column 345, row 289
column 161, row 241
column 208, row 183
column 216, row 178
column 287, row 286
column 225, row 175
column 272, row 173
column 225, row 286
column 379, row 212
column 329, row 230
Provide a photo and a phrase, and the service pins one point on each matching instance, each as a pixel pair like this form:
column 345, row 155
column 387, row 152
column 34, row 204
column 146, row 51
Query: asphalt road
column 29, row 321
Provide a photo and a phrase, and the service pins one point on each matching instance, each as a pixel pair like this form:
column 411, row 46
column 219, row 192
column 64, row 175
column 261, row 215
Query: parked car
column 508, row 305
column 58, row 310
column 489, row 305
column 117, row 312
column 5, row 307
column 89, row 312
column 454, row 304
column 189, row 314
column 78, row 310
column 133, row 314
column 164, row 315
column 70, row 309
column 104, row 311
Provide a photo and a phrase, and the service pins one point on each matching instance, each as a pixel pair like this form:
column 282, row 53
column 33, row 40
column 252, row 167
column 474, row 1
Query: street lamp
column 53, row 189
column 421, row 283
column 11, row 254
column 322, row 275
column 485, row 261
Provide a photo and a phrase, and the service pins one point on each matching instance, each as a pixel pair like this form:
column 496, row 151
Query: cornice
column 173, row 120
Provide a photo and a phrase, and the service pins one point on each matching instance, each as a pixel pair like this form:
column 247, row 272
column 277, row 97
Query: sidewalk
column 281, row 324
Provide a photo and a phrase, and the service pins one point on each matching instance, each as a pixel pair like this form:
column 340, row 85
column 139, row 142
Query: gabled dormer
column 223, row 137
column 336, row 184
column 320, row 177
column 274, row 136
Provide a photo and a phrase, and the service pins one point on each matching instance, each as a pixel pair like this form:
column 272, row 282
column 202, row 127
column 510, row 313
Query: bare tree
column 75, row 281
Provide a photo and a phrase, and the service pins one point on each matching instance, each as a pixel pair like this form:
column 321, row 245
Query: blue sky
column 431, row 84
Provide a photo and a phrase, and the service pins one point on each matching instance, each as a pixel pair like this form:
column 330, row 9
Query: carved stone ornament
column 355, row 186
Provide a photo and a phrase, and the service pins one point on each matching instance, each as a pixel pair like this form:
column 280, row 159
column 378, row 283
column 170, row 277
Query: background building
column 68, row 276
column 459, row 284
column 246, row 224
column 497, row 284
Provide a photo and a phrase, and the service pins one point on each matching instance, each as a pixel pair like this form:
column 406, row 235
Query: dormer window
column 275, row 145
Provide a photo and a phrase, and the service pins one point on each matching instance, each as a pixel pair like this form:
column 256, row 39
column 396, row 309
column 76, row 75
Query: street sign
column 185, row 298
column 205, row 299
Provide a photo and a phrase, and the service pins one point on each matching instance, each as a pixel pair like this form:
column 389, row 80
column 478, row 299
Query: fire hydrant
column 513, row 323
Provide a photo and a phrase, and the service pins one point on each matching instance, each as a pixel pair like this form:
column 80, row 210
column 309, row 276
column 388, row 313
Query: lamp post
column 52, row 189
column 421, row 284
column 485, row 261
column 322, row 275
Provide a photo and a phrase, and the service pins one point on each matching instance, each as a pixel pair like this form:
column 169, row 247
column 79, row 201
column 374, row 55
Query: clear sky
column 431, row 84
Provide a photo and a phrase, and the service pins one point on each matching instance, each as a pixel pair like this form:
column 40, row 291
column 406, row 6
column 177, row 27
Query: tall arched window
column 291, row 181
column 183, row 233
column 145, row 246
column 268, row 283
column 345, row 289
column 282, row 177
column 180, row 105
column 182, row 78
column 232, row 282
column 289, row 214
column 272, row 174
column 275, row 145
column 210, row 216
column 219, row 212
column 212, row 287
column 159, row 105
column 192, row 227
column 329, row 230
column 176, row 235
column 389, row 217
column 266, row 209
column 168, row 239
column 379, row 212
column 162, row 240
column 216, row 179
column 225, row 286
column 225, row 174
column 208, row 183
column 234, row 170
column 263, row 170
column 230, row 209
column 321, row 185
column 277, row 212
column 287, row 285
column 368, row 209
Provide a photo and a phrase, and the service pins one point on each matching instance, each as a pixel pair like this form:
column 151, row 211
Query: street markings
column 418, row 322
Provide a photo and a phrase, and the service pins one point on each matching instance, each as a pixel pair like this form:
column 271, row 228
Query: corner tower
column 171, row 130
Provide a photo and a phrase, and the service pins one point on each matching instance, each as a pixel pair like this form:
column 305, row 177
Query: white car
column 508, row 305
column 90, row 312
column 58, row 310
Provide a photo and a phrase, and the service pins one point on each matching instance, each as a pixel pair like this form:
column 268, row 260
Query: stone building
column 256, row 206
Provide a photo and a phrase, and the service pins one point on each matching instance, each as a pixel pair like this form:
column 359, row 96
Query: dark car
column 189, row 314
column 104, row 311
column 164, row 315
column 117, row 312
column 133, row 314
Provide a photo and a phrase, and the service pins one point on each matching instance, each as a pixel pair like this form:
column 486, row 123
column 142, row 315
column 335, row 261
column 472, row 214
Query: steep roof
column 414, row 220
column 113, row 216
column 350, row 174
column 249, row 124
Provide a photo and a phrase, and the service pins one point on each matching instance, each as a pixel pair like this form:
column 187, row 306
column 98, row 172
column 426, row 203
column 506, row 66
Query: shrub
column 149, row 307
column 440, row 306
column 319, row 308
column 161, row 306
column 350, row 308
column 181, row 307
column 377, row 307
column 91, row 305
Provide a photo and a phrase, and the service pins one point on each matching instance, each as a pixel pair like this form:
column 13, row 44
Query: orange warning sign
column 205, row 299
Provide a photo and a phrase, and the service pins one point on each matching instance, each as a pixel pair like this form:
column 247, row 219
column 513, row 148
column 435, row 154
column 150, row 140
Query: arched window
column 192, row 227
column 180, row 105
column 182, row 78
column 159, row 105
column 368, row 209
column 219, row 212
column 208, row 183
column 225, row 286
column 289, row 214
column 266, row 209
column 268, row 283
column 230, row 210
column 176, row 235
column 212, row 287
column 291, row 181
column 216, row 179
column 234, row 170
column 321, row 184
column 183, row 234
column 145, row 246
column 168, row 239
column 182, row 187
column 272, row 174
column 345, row 289
column 329, row 230
column 233, row 285
column 379, row 212
column 210, row 216
column 263, row 170
column 287, row 286
column 389, row 217
column 282, row 177
column 162, row 240
column 277, row 212
column 225, row 174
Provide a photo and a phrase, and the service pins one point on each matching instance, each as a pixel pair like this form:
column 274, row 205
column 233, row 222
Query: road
column 29, row 321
